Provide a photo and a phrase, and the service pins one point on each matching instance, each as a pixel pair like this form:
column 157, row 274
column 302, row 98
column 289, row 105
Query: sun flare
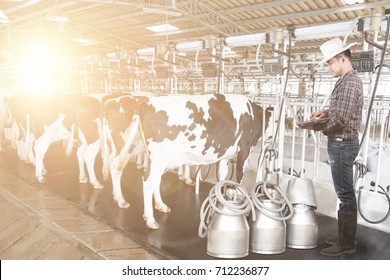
column 40, row 69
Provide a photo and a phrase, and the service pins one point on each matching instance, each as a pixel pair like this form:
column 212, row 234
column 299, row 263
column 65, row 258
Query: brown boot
column 347, row 222
column 331, row 240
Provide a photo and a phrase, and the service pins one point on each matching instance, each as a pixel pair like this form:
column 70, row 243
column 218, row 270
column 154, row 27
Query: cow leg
column 180, row 172
column 223, row 169
column 159, row 204
column 14, row 135
column 31, row 156
column 21, row 150
column 141, row 157
column 116, row 169
column 41, row 146
column 146, row 160
column 151, row 186
column 148, row 203
column 90, row 156
column 30, row 149
column 241, row 160
column 80, row 159
column 21, row 144
column 2, row 138
column 184, row 174
column 140, row 161
column 44, row 171
column 187, row 176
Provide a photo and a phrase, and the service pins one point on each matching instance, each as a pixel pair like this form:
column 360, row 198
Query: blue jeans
column 342, row 154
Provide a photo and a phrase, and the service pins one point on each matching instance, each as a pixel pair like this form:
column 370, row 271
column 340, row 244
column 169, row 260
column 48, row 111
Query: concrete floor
column 37, row 224
column 62, row 219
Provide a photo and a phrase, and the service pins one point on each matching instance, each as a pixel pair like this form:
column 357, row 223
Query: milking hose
column 283, row 201
column 361, row 171
column 216, row 195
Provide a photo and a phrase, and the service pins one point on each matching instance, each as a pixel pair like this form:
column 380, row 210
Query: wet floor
column 178, row 233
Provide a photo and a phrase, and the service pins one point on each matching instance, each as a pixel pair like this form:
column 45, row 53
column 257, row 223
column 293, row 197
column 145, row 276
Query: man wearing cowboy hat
column 342, row 129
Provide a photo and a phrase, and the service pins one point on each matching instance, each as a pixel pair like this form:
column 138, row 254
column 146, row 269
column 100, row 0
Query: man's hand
column 319, row 114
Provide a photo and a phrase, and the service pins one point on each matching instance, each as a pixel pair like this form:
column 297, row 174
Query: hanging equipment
column 360, row 168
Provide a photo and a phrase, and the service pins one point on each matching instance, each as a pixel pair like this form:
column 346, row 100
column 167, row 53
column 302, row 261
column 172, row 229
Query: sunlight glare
column 39, row 70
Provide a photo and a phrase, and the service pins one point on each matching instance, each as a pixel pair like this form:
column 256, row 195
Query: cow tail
column 28, row 138
column 8, row 123
column 105, row 151
column 134, row 126
column 69, row 146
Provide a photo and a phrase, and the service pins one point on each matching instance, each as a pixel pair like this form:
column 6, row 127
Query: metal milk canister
column 224, row 222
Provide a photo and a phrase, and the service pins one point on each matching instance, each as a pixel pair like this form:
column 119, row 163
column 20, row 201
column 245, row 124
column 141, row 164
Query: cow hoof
column 190, row 182
column 41, row 179
column 153, row 225
column 83, row 180
column 124, row 204
column 98, row 186
column 163, row 208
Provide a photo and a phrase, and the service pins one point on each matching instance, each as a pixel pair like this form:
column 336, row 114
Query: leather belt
column 339, row 139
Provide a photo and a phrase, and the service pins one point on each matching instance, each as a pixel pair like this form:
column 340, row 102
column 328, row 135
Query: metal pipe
column 373, row 43
column 303, row 148
column 285, row 87
column 380, row 152
column 293, row 144
column 383, row 48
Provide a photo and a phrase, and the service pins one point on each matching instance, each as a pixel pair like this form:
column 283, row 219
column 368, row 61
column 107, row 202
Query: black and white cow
column 43, row 120
column 182, row 130
column 18, row 108
column 5, row 121
column 118, row 113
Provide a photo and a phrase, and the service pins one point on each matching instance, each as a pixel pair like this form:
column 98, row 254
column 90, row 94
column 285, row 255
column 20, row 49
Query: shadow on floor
column 178, row 233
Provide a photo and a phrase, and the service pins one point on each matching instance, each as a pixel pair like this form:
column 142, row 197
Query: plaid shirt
column 345, row 109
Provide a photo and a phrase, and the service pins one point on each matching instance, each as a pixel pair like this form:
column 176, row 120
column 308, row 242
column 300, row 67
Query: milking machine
column 294, row 208
column 268, row 231
column 302, row 228
column 276, row 220
column 223, row 219
column 360, row 171
column 360, row 167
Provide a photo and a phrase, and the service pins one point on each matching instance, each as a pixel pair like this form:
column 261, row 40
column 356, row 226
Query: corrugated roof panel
column 124, row 19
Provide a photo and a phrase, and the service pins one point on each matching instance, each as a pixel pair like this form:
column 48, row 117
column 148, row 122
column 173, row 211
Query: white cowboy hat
column 332, row 48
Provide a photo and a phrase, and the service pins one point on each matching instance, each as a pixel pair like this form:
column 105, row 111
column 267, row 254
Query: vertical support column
column 174, row 72
column 222, row 68
column 136, row 81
